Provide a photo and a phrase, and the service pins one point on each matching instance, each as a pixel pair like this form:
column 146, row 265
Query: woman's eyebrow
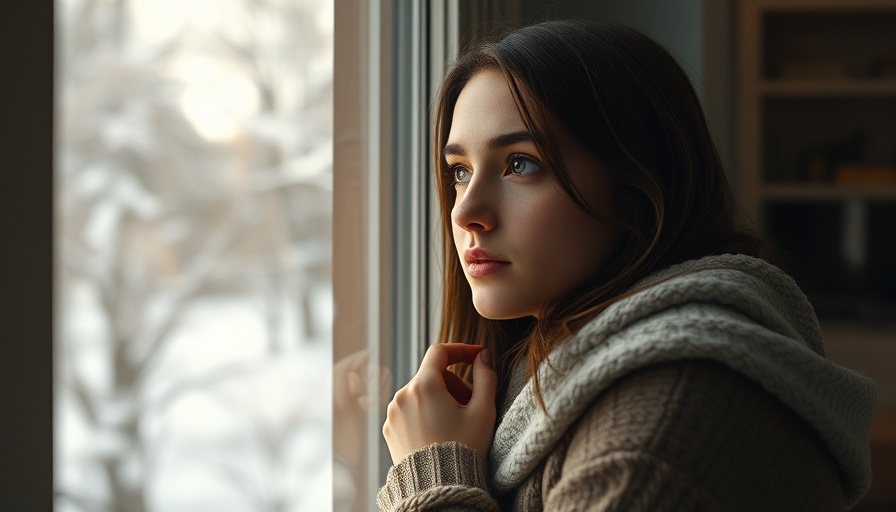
column 500, row 141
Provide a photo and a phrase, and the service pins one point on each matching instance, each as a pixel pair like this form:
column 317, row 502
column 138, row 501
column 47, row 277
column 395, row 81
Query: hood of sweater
column 738, row 310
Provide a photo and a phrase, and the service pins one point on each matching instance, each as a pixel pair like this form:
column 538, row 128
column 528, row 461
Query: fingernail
column 486, row 356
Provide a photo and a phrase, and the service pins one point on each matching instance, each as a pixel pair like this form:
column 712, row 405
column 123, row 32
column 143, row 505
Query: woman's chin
column 497, row 310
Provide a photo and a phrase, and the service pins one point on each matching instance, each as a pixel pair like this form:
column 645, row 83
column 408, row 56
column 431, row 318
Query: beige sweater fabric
column 708, row 391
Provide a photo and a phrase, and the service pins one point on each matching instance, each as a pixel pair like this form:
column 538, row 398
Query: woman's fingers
column 428, row 409
column 457, row 387
column 440, row 356
column 485, row 382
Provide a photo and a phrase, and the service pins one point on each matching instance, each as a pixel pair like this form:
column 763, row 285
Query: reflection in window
column 193, row 255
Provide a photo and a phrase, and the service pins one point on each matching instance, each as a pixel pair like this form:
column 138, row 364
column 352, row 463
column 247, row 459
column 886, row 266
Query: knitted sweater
column 707, row 389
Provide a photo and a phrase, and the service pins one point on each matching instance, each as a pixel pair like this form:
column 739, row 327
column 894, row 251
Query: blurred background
column 193, row 254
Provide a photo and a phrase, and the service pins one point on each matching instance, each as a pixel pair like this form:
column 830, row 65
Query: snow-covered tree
column 157, row 219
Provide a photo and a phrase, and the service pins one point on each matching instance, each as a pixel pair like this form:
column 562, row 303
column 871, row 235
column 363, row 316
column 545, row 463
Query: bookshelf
column 817, row 146
column 816, row 138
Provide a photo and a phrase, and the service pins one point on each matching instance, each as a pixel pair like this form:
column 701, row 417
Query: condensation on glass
column 194, row 290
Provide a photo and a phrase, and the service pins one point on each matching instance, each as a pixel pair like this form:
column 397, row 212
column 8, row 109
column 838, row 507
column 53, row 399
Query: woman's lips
column 481, row 263
column 484, row 268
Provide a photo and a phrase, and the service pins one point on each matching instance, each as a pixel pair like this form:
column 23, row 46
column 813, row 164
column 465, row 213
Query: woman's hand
column 436, row 406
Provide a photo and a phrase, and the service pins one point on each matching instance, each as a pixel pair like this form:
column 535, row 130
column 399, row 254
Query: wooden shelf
column 826, row 192
column 827, row 88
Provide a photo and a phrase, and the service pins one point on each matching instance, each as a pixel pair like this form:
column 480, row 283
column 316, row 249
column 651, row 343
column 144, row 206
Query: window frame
column 389, row 61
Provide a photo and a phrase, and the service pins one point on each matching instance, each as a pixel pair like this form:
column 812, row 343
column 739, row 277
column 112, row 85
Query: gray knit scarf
column 738, row 310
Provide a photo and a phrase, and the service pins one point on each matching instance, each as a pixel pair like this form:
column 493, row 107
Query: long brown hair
column 625, row 99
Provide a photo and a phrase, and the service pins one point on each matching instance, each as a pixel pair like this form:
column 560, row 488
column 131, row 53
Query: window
column 194, row 173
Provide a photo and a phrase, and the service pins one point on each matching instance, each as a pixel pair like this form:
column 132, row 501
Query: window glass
column 194, row 290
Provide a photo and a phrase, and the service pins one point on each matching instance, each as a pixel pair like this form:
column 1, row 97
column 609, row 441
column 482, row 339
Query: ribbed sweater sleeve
column 448, row 476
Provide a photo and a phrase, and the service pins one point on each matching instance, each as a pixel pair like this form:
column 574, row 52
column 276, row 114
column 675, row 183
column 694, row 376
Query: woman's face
column 521, row 240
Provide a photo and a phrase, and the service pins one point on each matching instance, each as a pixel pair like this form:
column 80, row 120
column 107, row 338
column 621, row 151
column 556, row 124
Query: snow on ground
column 226, row 426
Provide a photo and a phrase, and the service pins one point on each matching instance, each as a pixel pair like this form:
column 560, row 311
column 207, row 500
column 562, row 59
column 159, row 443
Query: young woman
column 624, row 346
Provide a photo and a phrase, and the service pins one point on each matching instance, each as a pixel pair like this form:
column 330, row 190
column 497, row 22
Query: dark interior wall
column 677, row 25
column 26, row 199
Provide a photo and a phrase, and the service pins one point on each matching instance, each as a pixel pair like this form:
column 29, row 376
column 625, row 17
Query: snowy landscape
column 194, row 196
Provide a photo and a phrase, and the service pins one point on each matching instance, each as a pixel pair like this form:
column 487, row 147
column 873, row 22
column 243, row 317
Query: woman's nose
column 475, row 207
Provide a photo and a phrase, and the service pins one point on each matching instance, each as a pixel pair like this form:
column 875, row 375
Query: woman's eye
column 521, row 166
column 462, row 174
